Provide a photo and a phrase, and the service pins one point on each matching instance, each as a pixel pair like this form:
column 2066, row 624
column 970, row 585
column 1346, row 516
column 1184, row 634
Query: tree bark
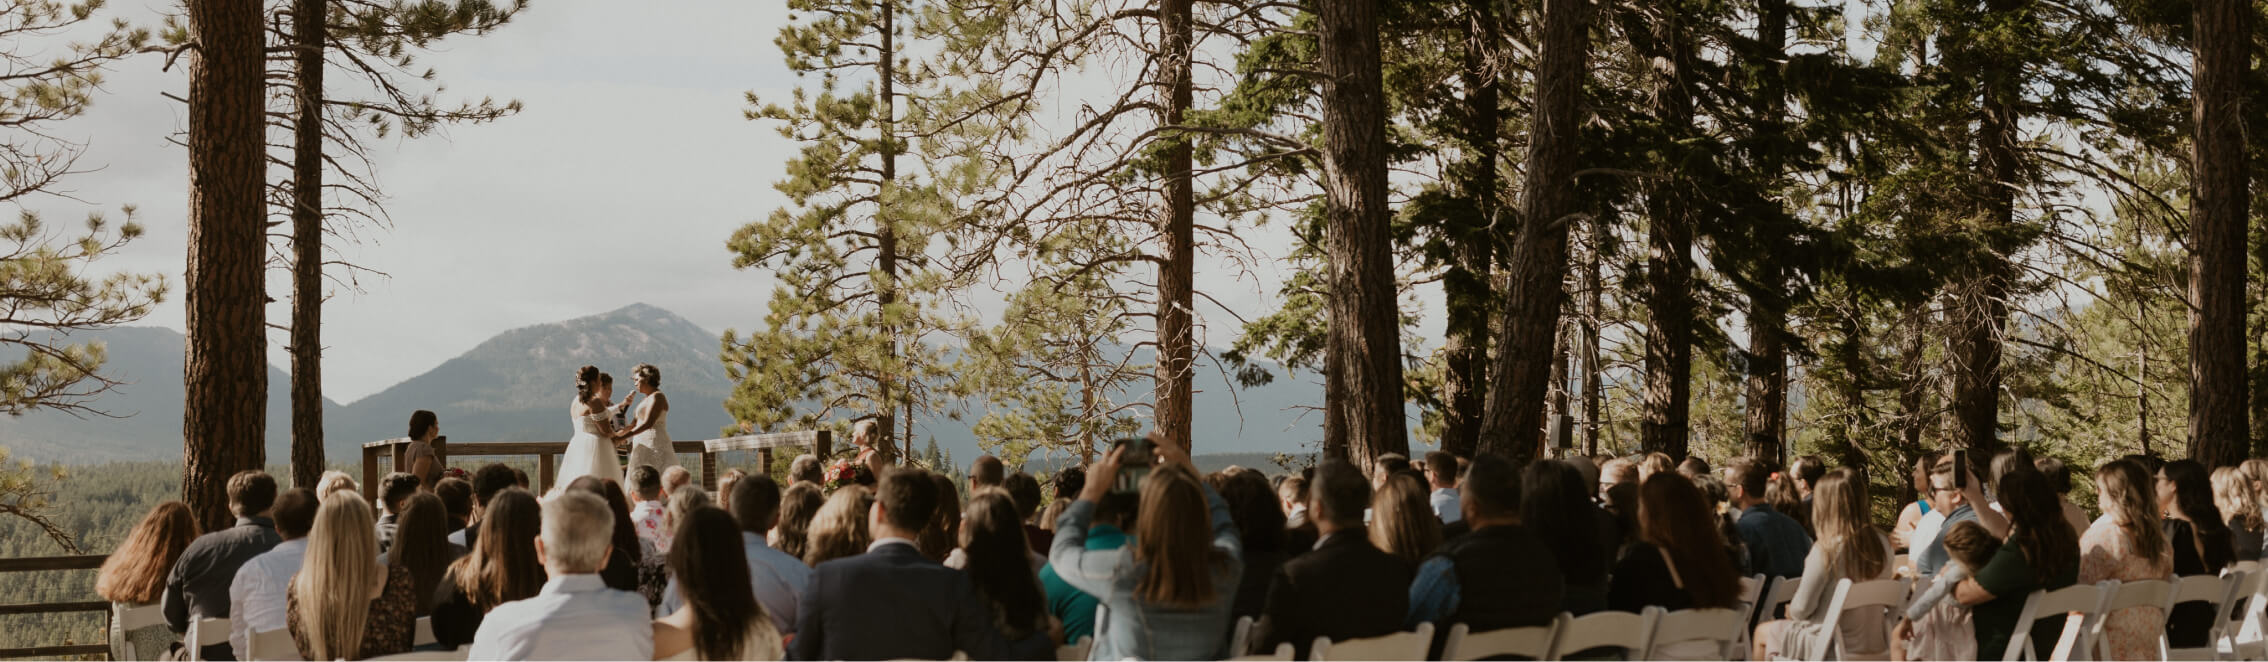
column 2218, row 427
column 1767, row 387
column 1538, row 262
column 309, row 37
column 888, row 392
column 1364, row 348
column 1468, row 285
column 1177, row 273
column 1669, row 259
column 1980, row 306
column 1594, row 375
column 224, row 424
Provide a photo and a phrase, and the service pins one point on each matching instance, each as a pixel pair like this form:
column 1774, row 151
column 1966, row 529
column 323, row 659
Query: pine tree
column 227, row 378
column 2218, row 431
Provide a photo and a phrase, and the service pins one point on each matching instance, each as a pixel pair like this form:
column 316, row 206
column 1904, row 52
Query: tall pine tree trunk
column 308, row 37
column 1539, row 249
column 1594, row 375
column 1177, row 273
column 1767, row 388
column 1364, row 348
column 2218, row 430
column 1980, row 305
column 888, row 391
column 1468, row 285
column 224, row 424
column 1669, row 261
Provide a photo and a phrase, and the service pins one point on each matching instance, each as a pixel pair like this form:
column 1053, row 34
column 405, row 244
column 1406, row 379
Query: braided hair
column 586, row 383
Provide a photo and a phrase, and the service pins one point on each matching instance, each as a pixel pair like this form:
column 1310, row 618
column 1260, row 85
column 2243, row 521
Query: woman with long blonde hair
column 135, row 573
column 1169, row 591
column 839, row 529
column 1849, row 547
column 1402, row 522
column 2240, row 503
column 2127, row 544
column 343, row 604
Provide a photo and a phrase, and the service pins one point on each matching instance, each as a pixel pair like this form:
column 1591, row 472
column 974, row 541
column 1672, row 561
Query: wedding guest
column 806, row 469
column 1401, row 522
column 724, row 484
column 1024, row 490
column 1678, row 559
column 1784, row 495
column 1173, row 603
column 520, row 478
column 2127, row 544
column 2254, row 473
column 134, row 574
column 421, row 548
column 684, row 501
column 940, row 541
column 1654, row 463
column 1260, row 527
column 1500, row 575
column 395, row 488
column 776, row 579
column 344, row 605
column 2040, row 553
column 1694, row 467
column 1850, row 548
column 840, row 527
column 503, row 567
column 621, row 570
column 256, row 597
column 2059, row 477
column 456, row 498
column 1776, row 543
column 935, row 610
column 418, row 458
column 1345, row 588
column 1074, row 608
column 199, row 583
column 649, row 518
column 1441, row 474
column 2201, row 544
column 486, row 484
column 798, row 506
column 721, row 619
column 1300, row 533
column 986, row 471
column 1807, row 470
column 997, row 561
column 1933, row 627
column 1954, row 501
column 332, row 482
column 1919, row 520
column 675, row 478
column 1555, row 506
column 2234, row 496
column 576, row 616
column 1065, row 487
column 1387, row 466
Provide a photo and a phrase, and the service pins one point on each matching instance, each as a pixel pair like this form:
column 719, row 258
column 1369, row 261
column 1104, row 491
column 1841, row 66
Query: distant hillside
column 146, row 407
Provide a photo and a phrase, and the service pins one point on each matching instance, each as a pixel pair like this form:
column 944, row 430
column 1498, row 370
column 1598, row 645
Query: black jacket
column 893, row 603
column 1346, row 589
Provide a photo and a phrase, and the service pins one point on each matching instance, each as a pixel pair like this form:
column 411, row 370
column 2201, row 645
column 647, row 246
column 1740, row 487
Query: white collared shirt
column 879, row 542
column 256, row 598
column 575, row 617
column 1446, row 506
column 778, row 579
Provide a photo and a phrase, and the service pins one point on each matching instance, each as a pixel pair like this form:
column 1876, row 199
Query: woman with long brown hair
column 2041, row 553
column 1678, row 560
column 1849, row 547
column 721, row 619
column 1402, row 522
column 421, row 546
column 798, row 506
column 344, row 605
column 1170, row 599
column 501, row 568
column 135, row 573
column 996, row 556
column 2127, row 544
column 839, row 529
column 2201, row 544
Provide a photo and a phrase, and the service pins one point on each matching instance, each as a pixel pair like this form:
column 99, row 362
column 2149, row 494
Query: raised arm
column 1088, row 570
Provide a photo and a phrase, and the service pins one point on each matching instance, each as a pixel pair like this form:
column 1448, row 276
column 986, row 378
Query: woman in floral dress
column 2127, row 544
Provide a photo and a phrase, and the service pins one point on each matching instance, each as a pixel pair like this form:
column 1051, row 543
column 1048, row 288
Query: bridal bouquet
column 846, row 471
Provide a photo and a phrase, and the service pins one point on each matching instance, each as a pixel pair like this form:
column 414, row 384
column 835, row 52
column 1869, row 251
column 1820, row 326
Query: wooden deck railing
column 547, row 453
column 49, row 564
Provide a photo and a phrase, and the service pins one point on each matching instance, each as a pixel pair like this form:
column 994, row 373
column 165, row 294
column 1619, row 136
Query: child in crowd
column 1937, row 627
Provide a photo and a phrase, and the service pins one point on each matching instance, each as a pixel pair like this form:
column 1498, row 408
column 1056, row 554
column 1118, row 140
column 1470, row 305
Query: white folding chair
column 1712, row 626
column 1779, row 595
column 2249, row 638
column 424, row 635
column 272, row 645
column 1283, row 652
column 2217, row 591
column 1606, row 629
column 126, row 618
column 457, row 655
column 1400, row 646
column 2153, row 593
column 205, row 632
column 1076, row 651
column 1751, row 592
column 1529, row 642
column 1886, row 595
column 1240, row 639
column 1825, row 635
column 2082, row 601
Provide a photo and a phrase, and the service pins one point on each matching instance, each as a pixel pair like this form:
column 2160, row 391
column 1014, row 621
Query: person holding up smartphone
column 1171, row 598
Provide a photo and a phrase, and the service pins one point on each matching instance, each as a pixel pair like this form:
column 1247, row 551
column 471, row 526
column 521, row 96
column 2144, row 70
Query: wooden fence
column 547, row 453
column 51, row 564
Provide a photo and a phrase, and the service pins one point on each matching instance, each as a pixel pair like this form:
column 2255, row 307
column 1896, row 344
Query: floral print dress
column 2106, row 552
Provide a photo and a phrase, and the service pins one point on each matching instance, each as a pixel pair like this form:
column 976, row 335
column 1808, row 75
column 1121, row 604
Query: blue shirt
column 1932, row 556
column 777, row 578
column 1776, row 543
column 1074, row 607
column 1445, row 505
column 1434, row 594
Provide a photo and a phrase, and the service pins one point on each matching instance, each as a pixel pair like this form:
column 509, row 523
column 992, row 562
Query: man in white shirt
column 257, row 597
column 575, row 617
column 777, row 578
column 1441, row 470
column 648, row 513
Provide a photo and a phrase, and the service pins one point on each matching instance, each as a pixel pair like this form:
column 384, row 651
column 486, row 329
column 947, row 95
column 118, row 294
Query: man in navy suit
column 892, row 602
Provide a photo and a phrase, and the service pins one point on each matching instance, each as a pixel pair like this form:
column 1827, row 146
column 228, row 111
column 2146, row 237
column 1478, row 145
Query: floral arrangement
column 846, row 471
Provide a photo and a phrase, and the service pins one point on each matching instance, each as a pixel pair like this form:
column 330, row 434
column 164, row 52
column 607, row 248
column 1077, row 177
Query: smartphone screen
column 1961, row 469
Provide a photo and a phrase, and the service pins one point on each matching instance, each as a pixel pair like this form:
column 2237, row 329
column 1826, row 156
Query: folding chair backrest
column 2156, row 593
column 1411, row 646
column 2217, row 591
column 1605, row 629
column 272, row 645
column 1886, row 595
column 2085, row 600
column 205, row 632
column 1283, row 652
column 1782, row 591
column 1077, row 650
column 1240, row 639
column 424, row 636
column 1716, row 626
column 1823, row 636
column 126, row 618
column 1529, row 642
column 457, row 655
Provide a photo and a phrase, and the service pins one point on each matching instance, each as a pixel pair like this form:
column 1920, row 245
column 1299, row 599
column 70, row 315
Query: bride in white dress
column 648, row 432
column 591, row 452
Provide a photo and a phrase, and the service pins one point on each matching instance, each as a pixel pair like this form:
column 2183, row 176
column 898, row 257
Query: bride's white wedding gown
column 652, row 447
column 588, row 454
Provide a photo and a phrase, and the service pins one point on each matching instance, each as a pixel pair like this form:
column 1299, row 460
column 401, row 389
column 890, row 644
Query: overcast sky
column 618, row 184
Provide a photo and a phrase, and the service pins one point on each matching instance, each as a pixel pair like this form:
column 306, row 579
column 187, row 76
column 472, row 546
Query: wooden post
column 709, row 474
column 544, row 469
column 764, row 459
column 369, row 466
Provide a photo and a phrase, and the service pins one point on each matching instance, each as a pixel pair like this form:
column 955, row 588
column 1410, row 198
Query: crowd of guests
column 1152, row 558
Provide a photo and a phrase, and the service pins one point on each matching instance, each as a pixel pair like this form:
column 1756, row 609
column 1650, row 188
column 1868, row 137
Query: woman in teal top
column 2041, row 554
column 1165, row 596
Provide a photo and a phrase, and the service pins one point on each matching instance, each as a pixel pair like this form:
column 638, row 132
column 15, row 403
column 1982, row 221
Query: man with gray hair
column 673, row 479
column 806, row 469
column 575, row 617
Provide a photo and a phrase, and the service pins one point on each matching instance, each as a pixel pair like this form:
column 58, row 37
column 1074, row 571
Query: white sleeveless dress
column 588, row 454
column 652, row 447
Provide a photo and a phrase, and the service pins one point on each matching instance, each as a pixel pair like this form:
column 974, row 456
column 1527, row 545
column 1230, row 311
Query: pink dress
column 2106, row 552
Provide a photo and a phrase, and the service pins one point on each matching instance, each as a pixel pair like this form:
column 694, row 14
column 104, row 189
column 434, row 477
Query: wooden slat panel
column 749, row 442
column 485, row 448
column 54, row 608
column 56, row 651
column 47, row 563
column 688, row 447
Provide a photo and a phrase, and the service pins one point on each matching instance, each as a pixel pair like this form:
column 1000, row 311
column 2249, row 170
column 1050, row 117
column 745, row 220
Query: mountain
column 144, row 410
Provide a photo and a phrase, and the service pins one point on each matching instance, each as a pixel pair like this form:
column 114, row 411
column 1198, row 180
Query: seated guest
column 456, row 498
column 776, row 578
column 1346, row 588
column 1555, row 505
column 1693, row 467
column 940, row 541
column 1388, row 465
column 1936, row 628
column 1299, row 531
column 806, row 469
column 1025, row 491
column 997, row 559
column 2237, row 501
column 1678, row 560
column 1074, row 608
column 675, row 478
column 199, row 583
column 2201, row 546
column 1850, row 548
column 798, row 505
column 503, row 567
column 575, row 616
column 1260, row 523
column 423, row 550
column 2059, row 477
column 1172, row 603
column 1776, row 544
column 343, row 605
column 621, row 570
column 649, row 516
column 1441, row 473
column 1953, row 500
column 257, row 597
column 2127, row 544
column 683, row 502
column 986, row 471
column 934, row 611
column 840, row 528
column 134, row 574
column 486, row 483
column 332, row 482
column 724, row 485
column 1919, row 520
column 1785, row 495
column 1401, row 521
column 2040, row 553
column 720, row 619
column 392, row 490
column 1498, row 576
